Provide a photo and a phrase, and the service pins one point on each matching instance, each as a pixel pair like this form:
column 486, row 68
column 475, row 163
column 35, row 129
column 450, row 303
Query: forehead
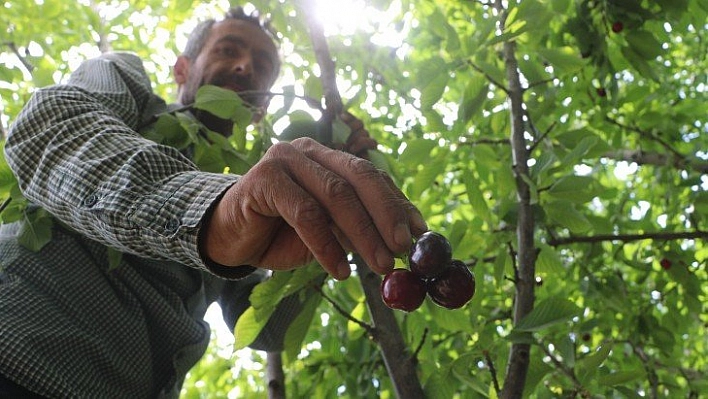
column 246, row 32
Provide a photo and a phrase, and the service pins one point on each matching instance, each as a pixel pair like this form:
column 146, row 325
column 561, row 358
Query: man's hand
column 305, row 201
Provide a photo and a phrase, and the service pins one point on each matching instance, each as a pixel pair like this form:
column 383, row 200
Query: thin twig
column 5, row 204
column 485, row 141
column 29, row 67
column 489, row 77
column 651, row 373
column 560, row 366
column 647, row 135
column 681, row 235
column 492, row 371
column 420, row 344
column 369, row 328
column 540, row 82
column 543, row 135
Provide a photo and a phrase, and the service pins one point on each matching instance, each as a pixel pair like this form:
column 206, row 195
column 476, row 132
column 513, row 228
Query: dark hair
column 199, row 35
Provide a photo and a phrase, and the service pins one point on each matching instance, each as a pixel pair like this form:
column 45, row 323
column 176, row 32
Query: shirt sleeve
column 76, row 152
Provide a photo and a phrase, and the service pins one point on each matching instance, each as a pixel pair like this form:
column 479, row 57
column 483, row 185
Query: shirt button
column 91, row 200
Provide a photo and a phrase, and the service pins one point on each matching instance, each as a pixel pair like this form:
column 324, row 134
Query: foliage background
column 616, row 127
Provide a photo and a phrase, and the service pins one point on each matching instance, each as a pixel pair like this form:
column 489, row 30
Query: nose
column 244, row 65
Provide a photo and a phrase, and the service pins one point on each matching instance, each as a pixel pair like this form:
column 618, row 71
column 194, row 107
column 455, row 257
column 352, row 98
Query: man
column 74, row 327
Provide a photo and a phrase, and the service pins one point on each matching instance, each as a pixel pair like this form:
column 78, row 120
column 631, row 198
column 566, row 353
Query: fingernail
column 417, row 222
column 384, row 259
column 402, row 235
column 343, row 270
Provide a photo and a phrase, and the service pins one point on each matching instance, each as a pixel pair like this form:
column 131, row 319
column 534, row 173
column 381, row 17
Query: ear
column 181, row 70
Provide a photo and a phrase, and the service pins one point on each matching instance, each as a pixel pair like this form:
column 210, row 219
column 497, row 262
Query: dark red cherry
column 430, row 255
column 617, row 27
column 665, row 264
column 403, row 290
column 454, row 287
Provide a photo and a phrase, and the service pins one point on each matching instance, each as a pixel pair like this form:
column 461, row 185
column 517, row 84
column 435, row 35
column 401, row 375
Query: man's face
column 238, row 56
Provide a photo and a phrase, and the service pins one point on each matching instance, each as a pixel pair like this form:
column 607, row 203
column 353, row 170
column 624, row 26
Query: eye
column 228, row 51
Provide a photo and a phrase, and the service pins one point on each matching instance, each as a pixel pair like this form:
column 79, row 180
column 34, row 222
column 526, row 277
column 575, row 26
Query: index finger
column 396, row 219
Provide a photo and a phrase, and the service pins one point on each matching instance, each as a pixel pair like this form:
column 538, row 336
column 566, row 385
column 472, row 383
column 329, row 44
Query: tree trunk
column 401, row 365
column 524, row 274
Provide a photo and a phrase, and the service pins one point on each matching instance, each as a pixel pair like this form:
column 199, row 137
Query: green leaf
column 169, row 130
column 640, row 64
column 622, row 377
column 440, row 385
column 451, row 320
column 114, row 258
column 417, row 151
column 209, row 159
column 298, row 328
column 473, row 97
column 355, row 330
column 432, row 77
column 593, row 361
column 301, row 128
column 573, row 188
column 549, row 261
column 382, row 161
column 644, row 43
column 581, row 149
column 247, row 328
column 223, row 103
column 36, row 231
column 340, row 131
column 548, row 312
column 565, row 214
column 537, row 372
column 313, row 88
column 476, row 198
column 463, row 368
column 565, row 59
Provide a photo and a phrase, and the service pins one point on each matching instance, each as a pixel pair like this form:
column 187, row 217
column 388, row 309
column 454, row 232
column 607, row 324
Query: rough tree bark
column 519, row 355
column 400, row 363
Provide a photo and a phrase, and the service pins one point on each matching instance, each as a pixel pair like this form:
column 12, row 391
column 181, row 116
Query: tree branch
column 23, row 59
column 333, row 100
column 656, row 159
column 275, row 377
column 484, row 141
column 519, row 356
column 685, row 235
column 647, row 135
column 400, row 363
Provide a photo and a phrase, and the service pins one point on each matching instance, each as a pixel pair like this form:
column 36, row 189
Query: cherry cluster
column 447, row 281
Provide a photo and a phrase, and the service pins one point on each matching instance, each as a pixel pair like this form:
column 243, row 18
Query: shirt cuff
column 172, row 215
